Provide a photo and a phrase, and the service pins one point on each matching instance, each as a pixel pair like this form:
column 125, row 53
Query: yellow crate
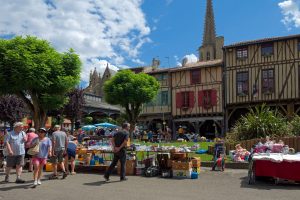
column 48, row 167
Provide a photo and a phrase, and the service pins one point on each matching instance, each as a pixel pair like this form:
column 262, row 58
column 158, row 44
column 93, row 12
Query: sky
column 130, row 33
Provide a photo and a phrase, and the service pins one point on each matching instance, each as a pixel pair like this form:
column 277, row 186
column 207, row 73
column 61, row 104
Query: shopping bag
column 34, row 150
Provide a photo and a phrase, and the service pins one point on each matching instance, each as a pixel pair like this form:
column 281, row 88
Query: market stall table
column 277, row 166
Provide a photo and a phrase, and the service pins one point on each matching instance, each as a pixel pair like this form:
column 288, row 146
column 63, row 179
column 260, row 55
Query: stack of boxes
column 183, row 167
column 130, row 167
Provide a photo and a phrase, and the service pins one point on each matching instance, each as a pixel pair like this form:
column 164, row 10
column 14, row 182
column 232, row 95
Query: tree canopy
column 130, row 91
column 41, row 76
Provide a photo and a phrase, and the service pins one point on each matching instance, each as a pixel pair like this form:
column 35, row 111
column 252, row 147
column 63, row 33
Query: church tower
column 211, row 48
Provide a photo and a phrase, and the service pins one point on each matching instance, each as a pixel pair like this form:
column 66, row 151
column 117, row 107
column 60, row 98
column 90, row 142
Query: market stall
column 275, row 165
column 160, row 160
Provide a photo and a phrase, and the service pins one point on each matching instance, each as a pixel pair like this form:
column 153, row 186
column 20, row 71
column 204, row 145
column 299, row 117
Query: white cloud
column 291, row 13
column 191, row 58
column 98, row 30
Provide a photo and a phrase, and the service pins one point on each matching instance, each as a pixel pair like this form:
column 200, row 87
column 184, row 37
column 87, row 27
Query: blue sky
column 129, row 33
column 181, row 23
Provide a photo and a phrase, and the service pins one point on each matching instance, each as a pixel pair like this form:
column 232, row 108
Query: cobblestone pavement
column 231, row 185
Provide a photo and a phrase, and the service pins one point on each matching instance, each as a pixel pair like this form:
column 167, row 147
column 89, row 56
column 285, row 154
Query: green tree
column 88, row 120
column 33, row 70
column 130, row 91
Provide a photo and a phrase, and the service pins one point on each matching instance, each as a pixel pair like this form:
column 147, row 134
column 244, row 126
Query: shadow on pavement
column 262, row 183
column 16, row 186
column 99, row 183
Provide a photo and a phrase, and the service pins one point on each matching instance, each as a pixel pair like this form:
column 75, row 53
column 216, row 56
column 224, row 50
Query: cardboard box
column 48, row 167
column 130, row 167
column 182, row 173
column 178, row 156
column 196, row 169
column 196, row 162
column 184, row 165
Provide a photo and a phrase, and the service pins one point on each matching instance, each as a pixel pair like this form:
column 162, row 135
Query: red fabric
column 178, row 100
column 191, row 99
column 283, row 170
column 200, row 98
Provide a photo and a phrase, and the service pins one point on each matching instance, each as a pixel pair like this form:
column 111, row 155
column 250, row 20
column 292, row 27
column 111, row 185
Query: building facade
column 157, row 113
column 262, row 71
column 190, row 95
column 95, row 104
column 97, row 81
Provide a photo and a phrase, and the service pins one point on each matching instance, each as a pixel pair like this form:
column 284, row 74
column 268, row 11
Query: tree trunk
column 132, row 127
column 72, row 125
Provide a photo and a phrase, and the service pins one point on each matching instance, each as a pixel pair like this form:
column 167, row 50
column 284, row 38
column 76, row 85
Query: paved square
column 230, row 185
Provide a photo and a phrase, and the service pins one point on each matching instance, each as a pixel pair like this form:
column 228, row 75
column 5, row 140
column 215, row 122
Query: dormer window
column 267, row 49
column 242, row 52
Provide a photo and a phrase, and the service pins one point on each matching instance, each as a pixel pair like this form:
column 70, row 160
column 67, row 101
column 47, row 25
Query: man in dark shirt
column 119, row 142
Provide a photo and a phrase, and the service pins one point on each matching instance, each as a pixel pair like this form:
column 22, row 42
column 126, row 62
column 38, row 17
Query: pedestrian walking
column 15, row 144
column 30, row 136
column 39, row 160
column 71, row 154
column 59, row 150
column 119, row 143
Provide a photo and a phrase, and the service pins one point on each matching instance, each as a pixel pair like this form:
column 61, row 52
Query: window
column 161, row 77
column 164, row 76
column 164, row 98
column 207, row 98
column 298, row 44
column 185, row 99
column 208, row 56
column 267, row 49
column 242, row 52
column 268, row 81
column 242, row 80
column 195, row 76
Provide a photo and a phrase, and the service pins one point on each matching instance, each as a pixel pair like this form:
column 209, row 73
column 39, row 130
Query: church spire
column 209, row 36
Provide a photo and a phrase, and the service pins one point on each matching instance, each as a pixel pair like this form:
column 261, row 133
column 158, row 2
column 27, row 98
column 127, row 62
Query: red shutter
column 214, row 97
column 200, row 98
column 191, row 99
column 178, row 100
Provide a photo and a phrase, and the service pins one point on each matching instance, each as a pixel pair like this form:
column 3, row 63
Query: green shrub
column 294, row 126
column 260, row 122
column 88, row 120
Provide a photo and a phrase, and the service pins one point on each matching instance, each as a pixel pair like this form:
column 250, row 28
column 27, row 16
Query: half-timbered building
column 197, row 87
column 262, row 71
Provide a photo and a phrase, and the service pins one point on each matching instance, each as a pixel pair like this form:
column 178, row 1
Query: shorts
column 13, row 161
column 39, row 161
column 71, row 154
column 58, row 158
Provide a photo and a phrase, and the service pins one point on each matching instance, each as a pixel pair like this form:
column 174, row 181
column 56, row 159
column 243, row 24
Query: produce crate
column 182, row 173
column 196, row 162
column 130, row 167
column 178, row 156
column 196, row 169
column 181, row 165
